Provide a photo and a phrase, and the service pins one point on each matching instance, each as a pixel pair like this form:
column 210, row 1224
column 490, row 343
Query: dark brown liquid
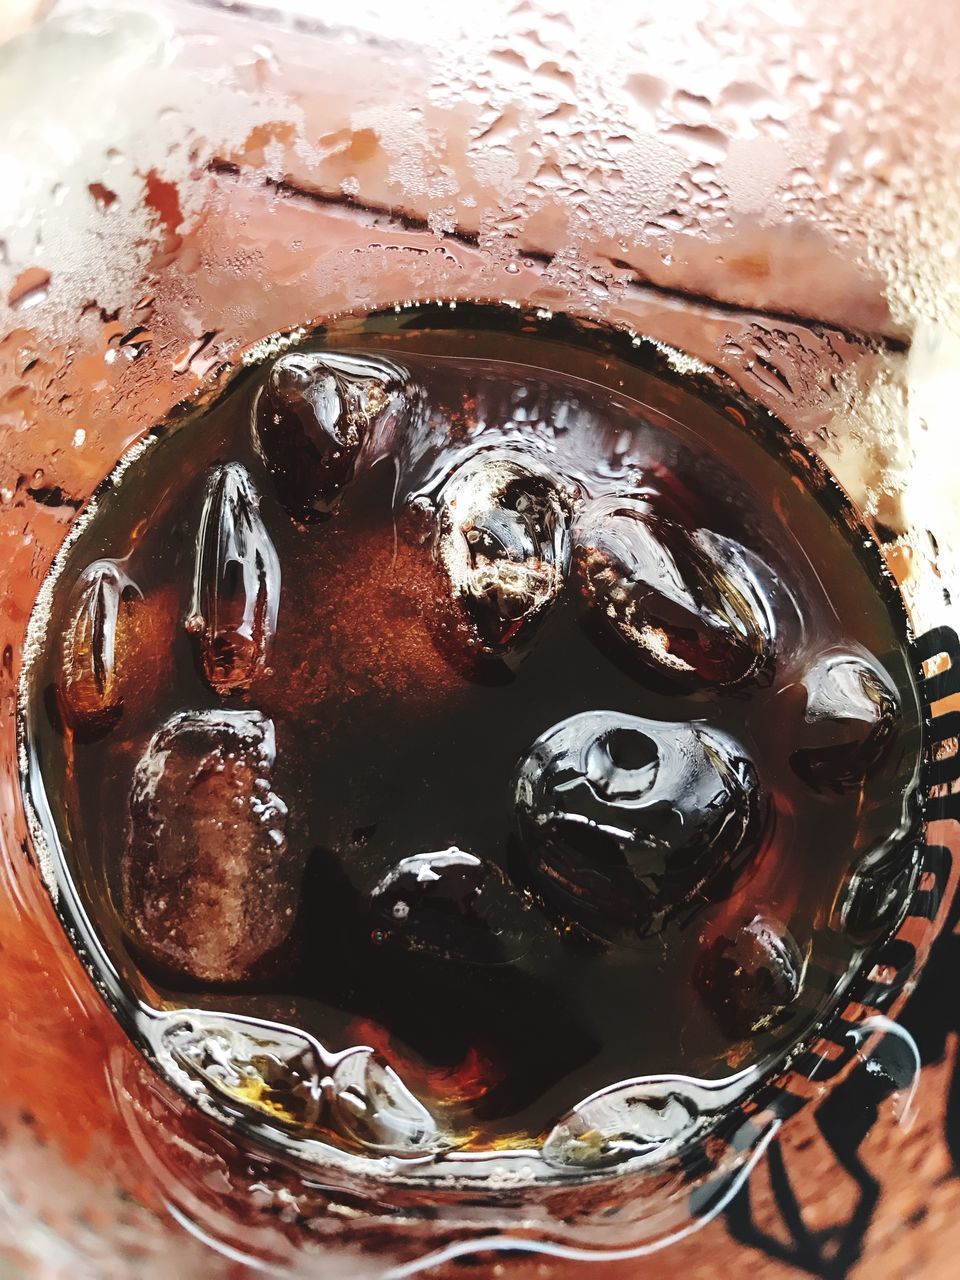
column 537, row 967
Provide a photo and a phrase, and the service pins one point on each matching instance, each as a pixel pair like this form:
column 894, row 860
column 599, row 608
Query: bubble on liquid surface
column 502, row 541
column 623, row 820
column 850, row 722
column 692, row 606
column 88, row 688
column 236, row 583
column 209, row 885
column 316, row 414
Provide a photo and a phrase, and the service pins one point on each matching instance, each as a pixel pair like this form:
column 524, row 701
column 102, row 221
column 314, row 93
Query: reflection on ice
column 353, row 1097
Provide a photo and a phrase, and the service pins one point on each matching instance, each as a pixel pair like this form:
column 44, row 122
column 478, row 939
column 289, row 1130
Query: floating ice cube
column 372, row 1106
column 451, row 904
column 877, row 890
column 750, row 974
column 692, row 605
column 851, row 718
column 289, row 1078
column 89, row 693
column 209, row 885
column 267, row 1066
column 502, row 540
column 314, row 416
column 622, row 819
column 629, row 1123
column 236, row 584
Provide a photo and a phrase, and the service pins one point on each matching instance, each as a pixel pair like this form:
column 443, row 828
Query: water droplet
column 30, row 288
column 703, row 142
column 649, row 91
column 103, row 197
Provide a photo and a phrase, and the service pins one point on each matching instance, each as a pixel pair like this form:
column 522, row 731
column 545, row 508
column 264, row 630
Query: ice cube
column 692, row 605
column 451, row 904
column 502, row 540
column 89, row 691
column 877, row 890
column 209, row 885
column 272, row 1068
column 634, row 1122
column 622, row 820
column 289, row 1078
column 236, row 583
column 314, row 416
column 851, row 718
column 750, row 974
column 373, row 1107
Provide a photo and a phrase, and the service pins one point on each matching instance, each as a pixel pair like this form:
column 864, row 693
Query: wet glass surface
column 773, row 196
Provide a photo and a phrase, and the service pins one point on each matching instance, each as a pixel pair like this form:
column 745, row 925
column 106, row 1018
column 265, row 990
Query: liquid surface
column 488, row 702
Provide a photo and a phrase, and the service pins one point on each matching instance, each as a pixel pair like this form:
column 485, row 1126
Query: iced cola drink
column 504, row 720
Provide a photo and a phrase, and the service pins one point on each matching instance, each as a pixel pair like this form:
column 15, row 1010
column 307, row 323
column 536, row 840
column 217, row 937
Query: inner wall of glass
column 727, row 197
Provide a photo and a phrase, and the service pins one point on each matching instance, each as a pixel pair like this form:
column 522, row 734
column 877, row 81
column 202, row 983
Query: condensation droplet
column 30, row 288
column 700, row 140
